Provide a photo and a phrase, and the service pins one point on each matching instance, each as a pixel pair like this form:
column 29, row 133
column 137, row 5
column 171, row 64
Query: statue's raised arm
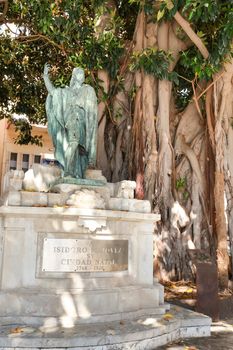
column 48, row 83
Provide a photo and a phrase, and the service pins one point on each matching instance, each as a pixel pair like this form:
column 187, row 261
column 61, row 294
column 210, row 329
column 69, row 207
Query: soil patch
column 183, row 293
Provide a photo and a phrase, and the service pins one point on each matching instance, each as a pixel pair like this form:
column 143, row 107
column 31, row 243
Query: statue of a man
column 72, row 123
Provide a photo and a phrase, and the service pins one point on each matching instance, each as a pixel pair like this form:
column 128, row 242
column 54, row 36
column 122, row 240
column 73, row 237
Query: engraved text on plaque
column 84, row 255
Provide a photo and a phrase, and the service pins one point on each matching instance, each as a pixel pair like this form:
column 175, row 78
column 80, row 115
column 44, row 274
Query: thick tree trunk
column 137, row 164
column 221, row 229
column 150, row 153
column 229, row 192
column 150, row 105
column 223, row 120
column 122, row 126
column 222, row 98
column 102, row 160
column 101, row 24
column 163, row 130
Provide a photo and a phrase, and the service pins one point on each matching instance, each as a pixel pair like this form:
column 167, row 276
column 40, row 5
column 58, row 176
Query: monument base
column 76, row 272
column 77, row 265
column 139, row 333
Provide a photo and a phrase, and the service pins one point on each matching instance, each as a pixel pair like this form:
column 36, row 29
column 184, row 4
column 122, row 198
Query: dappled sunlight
column 179, row 218
column 68, row 305
column 75, row 302
column 50, row 325
column 193, row 216
column 84, row 217
column 77, row 281
column 83, row 311
column 190, row 244
column 74, row 306
column 152, row 322
column 221, row 326
column 65, row 226
column 67, row 321
column 39, row 179
column 56, row 225
column 179, row 215
column 79, row 300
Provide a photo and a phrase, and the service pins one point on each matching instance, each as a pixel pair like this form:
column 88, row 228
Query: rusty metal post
column 207, row 283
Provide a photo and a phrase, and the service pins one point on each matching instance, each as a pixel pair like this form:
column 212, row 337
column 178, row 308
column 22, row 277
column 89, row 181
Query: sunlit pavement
column 221, row 339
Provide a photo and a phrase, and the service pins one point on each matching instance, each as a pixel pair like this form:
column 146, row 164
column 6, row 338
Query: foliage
column 181, row 183
column 24, row 135
column 66, row 34
column 62, row 33
column 212, row 20
column 200, row 68
column 155, row 62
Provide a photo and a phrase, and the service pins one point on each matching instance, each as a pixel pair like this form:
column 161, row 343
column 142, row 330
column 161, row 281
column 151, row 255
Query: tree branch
column 185, row 25
column 29, row 38
column 195, row 100
column 209, row 86
column 5, row 9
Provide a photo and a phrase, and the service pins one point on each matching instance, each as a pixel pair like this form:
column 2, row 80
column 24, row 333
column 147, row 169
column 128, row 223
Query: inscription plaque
column 84, row 255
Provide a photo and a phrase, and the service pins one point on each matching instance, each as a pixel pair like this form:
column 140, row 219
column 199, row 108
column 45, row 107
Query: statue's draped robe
column 73, row 112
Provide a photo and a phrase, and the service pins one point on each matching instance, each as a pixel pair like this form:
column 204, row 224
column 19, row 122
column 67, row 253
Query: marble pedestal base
column 47, row 302
column 42, row 282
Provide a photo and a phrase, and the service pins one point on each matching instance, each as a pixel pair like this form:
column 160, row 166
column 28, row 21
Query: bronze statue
column 72, row 123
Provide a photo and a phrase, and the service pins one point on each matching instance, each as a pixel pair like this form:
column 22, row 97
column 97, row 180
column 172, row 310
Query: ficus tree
column 163, row 73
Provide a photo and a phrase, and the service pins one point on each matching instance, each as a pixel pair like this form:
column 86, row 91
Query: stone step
column 83, row 305
column 40, row 320
column 143, row 332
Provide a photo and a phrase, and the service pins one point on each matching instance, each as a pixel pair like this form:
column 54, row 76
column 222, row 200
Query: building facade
column 21, row 157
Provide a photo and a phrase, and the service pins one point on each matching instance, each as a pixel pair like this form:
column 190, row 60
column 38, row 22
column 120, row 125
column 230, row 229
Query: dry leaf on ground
column 16, row 330
column 168, row 317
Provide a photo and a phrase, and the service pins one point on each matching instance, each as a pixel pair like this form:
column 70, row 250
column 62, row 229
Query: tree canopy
column 69, row 33
column 63, row 33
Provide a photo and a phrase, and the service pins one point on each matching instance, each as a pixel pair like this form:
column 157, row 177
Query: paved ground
column 221, row 339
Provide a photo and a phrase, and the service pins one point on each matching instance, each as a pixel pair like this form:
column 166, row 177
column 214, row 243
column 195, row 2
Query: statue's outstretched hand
column 46, row 68
column 48, row 83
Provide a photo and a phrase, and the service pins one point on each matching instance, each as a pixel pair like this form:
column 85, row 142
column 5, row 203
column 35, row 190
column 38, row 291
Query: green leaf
column 160, row 14
column 169, row 4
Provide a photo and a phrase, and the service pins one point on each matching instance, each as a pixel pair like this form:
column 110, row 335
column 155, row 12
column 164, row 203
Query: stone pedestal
column 77, row 265
column 76, row 271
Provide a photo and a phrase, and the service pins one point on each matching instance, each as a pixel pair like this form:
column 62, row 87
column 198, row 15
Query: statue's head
column 78, row 77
